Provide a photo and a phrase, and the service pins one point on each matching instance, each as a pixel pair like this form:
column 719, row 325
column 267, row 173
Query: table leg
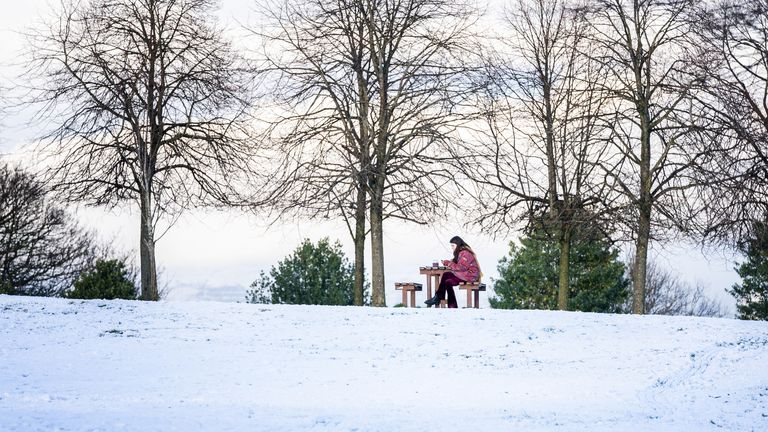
column 429, row 286
column 413, row 299
column 405, row 298
column 437, row 287
column 469, row 297
column 477, row 299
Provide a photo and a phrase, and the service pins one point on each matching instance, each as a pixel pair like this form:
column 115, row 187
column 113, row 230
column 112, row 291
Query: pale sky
column 216, row 255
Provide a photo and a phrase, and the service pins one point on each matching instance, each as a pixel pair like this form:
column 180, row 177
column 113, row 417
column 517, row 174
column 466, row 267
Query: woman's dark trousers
column 447, row 282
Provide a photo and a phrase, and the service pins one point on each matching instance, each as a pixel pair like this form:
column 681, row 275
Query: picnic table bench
column 408, row 287
column 473, row 290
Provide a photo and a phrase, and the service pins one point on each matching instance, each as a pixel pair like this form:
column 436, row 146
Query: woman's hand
column 446, row 263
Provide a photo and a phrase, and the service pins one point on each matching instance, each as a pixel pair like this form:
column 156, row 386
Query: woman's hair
column 460, row 246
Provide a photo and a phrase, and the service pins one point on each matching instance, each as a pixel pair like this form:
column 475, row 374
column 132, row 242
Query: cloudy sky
column 216, row 255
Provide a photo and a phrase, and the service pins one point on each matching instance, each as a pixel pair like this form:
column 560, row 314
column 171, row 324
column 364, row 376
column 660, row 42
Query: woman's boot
column 433, row 301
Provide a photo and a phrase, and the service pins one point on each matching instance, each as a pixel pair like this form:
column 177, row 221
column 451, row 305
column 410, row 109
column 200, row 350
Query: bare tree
column 42, row 249
column 147, row 101
column 322, row 146
column 666, row 294
column 534, row 158
column 365, row 92
column 734, row 34
column 655, row 128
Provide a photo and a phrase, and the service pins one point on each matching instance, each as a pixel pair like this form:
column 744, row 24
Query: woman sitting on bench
column 464, row 268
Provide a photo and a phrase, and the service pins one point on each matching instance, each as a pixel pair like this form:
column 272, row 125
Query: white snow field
column 134, row 366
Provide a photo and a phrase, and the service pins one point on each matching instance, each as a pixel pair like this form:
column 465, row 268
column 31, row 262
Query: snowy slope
column 132, row 366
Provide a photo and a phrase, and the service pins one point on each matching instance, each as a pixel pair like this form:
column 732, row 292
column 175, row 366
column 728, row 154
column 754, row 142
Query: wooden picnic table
column 434, row 273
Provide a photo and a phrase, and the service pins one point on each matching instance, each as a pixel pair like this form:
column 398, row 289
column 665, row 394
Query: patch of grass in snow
column 117, row 332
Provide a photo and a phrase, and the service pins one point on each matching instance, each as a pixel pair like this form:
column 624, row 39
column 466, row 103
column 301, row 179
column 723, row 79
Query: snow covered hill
column 133, row 366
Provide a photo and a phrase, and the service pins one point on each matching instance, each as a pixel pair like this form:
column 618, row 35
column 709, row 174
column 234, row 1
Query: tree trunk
column 644, row 221
column 377, row 244
column 564, row 283
column 360, row 246
column 550, row 143
column 641, row 261
column 147, row 251
column 362, row 180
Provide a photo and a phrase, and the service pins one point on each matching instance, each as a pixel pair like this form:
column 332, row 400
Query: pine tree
column 313, row 274
column 108, row 279
column 752, row 294
column 530, row 277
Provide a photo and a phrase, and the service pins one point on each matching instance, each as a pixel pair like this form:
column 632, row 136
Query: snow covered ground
column 133, row 366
